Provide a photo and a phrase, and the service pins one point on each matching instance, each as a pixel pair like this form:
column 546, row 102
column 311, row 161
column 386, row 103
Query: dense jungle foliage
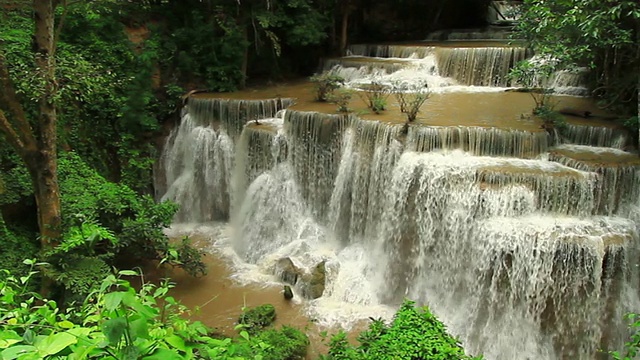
column 599, row 37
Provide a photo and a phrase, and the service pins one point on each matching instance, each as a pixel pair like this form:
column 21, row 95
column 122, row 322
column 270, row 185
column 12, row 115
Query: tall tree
column 34, row 138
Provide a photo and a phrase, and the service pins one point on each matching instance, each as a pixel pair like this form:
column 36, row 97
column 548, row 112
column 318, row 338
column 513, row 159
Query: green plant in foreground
column 631, row 347
column 325, row 85
column 414, row 333
column 257, row 318
column 116, row 321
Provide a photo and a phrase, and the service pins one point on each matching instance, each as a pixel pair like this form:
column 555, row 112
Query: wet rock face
column 313, row 284
column 287, row 272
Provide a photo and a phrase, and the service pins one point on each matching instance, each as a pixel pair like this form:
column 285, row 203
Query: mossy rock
column 314, row 283
column 257, row 318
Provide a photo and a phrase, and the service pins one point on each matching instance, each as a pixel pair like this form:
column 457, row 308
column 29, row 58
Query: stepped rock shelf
column 525, row 244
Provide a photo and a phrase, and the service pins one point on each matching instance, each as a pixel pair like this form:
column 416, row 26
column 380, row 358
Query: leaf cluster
column 118, row 321
column 414, row 333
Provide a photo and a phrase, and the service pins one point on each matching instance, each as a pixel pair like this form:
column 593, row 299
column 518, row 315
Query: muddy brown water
column 505, row 110
column 216, row 299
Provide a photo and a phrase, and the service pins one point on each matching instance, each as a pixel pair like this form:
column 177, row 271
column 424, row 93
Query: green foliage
column 415, row 333
column 341, row 97
column 287, row 343
column 532, row 75
column 411, row 99
column 631, row 347
column 255, row 319
column 551, row 118
column 104, row 222
column 118, row 321
column 375, row 96
column 16, row 244
column 599, row 34
column 325, row 84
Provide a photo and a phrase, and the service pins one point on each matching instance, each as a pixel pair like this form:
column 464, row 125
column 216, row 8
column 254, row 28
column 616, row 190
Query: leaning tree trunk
column 344, row 31
column 43, row 164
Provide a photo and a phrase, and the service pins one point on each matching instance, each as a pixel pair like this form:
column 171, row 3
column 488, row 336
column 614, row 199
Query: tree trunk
column 43, row 164
column 344, row 32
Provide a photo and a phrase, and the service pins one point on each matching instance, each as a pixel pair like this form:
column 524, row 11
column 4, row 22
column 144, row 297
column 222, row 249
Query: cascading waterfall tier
column 598, row 136
column 231, row 114
column 391, row 51
column 467, row 65
column 618, row 174
column 478, row 140
column 198, row 157
column 483, row 66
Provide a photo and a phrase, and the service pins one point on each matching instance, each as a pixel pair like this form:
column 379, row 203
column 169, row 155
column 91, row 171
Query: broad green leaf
column 114, row 329
column 54, row 343
column 113, row 300
column 139, row 328
column 177, row 342
column 8, row 338
column 164, row 354
column 66, row 324
column 128, row 273
column 15, row 351
column 29, row 336
column 130, row 352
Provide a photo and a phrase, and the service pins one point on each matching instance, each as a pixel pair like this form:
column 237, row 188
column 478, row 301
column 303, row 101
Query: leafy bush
column 375, row 96
column 551, row 118
column 325, row 85
column 631, row 347
column 104, row 222
column 287, row 343
column 118, row 321
column 411, row 99
column 341, row 97
column 415, row 333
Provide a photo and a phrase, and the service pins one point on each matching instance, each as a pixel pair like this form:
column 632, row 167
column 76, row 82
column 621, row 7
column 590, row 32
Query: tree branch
column 22, row 131
column 56, row 37
column 10, row 134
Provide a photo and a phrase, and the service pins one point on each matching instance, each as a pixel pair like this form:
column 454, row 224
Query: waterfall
column 618, row 174
column 391, row 51
column 198, row 157
column 598, row 136
column 468, row 66
column 485, row 66
column 524, row 244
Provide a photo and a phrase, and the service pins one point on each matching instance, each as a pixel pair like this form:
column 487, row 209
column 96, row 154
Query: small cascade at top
column 470, row 65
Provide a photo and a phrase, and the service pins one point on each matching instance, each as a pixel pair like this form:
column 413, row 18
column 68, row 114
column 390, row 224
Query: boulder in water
column 287, row 271
column 288, row 293
column 313, row 284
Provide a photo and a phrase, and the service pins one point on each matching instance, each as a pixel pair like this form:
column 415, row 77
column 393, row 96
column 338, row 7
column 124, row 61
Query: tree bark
column 44, row 165
column 344, row 31
column 36, row 142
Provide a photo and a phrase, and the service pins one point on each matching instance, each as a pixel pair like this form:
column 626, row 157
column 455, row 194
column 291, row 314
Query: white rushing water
column 524, row 251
